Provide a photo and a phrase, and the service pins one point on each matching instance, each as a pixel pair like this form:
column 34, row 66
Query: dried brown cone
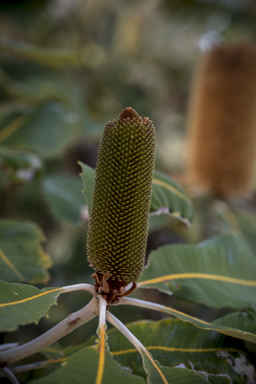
column 118, row 226
column 222, row 120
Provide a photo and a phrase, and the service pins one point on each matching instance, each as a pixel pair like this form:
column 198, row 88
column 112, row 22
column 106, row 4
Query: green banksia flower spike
column 118, row 225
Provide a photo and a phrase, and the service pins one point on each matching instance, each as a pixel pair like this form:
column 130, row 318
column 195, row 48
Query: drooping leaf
column 218, row 273
column 23, row 304
column 64, row 196
column 42, row 55
column 45, row 130
column 88, row 176
column 83, row 367
column 173, row 342
column 228, row 330
column 243, row 320
column 21, row 255
column 168, row 197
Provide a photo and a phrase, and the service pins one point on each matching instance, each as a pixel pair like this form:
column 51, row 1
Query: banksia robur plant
column 222, row 120
column 118, row 225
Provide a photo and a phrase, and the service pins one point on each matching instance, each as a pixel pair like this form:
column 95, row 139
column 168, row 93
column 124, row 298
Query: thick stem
column 125, row 331
column 65, row 327
column 29, row 367
column 80, row 287
column 102, row 312
column 6, row 372
column 146, row 356
column 101, row 333
column 143, row 304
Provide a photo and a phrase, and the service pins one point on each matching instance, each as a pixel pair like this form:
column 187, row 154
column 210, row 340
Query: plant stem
column 146, row 356
column 101, row 333
column 65, row 327
column 125, row 331
column 102, row 313
column 10, row 375
column 143, row 304
column 31, row 367
column 80, row 287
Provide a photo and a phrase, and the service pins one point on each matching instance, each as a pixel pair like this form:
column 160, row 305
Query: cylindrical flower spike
column 222, row 120
column 118, row 226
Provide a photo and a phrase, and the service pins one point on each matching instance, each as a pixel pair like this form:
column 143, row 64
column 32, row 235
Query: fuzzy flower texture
column 118, row 225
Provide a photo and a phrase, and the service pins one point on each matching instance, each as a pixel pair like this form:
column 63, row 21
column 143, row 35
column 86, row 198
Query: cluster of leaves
column 44, row 116
column 218, row 273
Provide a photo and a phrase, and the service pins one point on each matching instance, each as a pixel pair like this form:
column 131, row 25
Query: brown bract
column 111, row 290
column 128, row 112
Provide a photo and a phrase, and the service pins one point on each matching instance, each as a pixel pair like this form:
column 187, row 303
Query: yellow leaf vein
column 10, row 265
column 12, row 127
column 30, row 298
column 174, row 349
column 171, row 188
column 176, row 276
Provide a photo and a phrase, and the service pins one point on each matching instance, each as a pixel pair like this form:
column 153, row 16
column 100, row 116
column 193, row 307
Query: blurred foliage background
column 68, row 67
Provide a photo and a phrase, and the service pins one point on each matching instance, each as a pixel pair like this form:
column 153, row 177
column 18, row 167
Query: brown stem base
column 111, row 290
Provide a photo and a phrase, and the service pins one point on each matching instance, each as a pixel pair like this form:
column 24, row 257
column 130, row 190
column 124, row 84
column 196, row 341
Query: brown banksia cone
column 222, row 120
column 118, row 226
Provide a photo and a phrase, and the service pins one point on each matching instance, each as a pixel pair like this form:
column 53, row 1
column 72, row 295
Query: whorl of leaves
column 118, row 224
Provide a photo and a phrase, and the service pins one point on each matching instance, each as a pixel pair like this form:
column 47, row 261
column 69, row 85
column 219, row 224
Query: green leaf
column 247, row 223
column 46, row 56
column 45, row 130
column 245, row 321
column 63, row 194
column 226, row 330
column 173, row 375
column 218, row 273
column 54, row 351
column 21, row 255
column 173, row 342
column 23, row 304
column 18, row 165
column 14, row 159
column 83, row 368
column 88, row 176
column 169, row 195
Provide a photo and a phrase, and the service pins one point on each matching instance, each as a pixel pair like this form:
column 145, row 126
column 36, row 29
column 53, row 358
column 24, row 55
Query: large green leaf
column 227, row 329
column 244, row 320
column 64, row 196
column 46, row 130
column 83, row 368
column 218, row 273
column 247, row 223
column 19, row 165
column 172, row 375
column 23, row 304
column 50, row 57
column 88, row 176
column 241, row 220
column 173, row 342
column 21, row 255
column 167, row 194
column 85, row 364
